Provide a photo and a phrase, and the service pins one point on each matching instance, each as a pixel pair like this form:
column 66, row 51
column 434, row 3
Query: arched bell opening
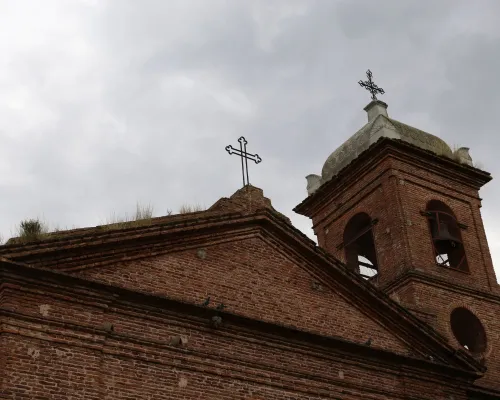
column 360, row 247
column 446, row 236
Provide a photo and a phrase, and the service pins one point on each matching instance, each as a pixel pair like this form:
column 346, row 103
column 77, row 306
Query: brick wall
column 395, row 191
column 443, row 301
column 57, row 341
column 376, row 194
column 251, row 277
column 56, row 346
column 417, row 187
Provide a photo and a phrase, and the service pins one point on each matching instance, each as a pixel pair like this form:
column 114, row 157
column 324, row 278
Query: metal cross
column 242, row 152
column 370, row 86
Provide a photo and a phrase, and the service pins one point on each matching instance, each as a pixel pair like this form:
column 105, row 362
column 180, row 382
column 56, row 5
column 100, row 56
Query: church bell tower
column 402, row 209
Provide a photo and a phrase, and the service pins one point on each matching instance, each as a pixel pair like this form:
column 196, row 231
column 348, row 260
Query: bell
column 443, row 238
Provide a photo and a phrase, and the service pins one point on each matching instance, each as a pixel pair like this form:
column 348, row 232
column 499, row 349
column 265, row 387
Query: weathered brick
column 95, row 316
column 395, row 188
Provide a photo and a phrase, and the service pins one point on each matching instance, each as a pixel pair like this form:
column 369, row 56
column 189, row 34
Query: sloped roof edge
column 337, row 271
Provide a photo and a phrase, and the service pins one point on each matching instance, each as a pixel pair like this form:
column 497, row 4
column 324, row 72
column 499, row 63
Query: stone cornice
column 91, row 250
column 418, row 276
column 384, row 147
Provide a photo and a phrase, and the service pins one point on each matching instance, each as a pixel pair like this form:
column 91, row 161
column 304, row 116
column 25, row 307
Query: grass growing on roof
column 142, row 217
column 188, row 208
column 32, row 229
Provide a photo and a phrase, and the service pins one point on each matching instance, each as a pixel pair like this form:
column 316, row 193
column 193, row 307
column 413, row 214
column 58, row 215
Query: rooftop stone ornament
column 371, row 86
column 242, row 152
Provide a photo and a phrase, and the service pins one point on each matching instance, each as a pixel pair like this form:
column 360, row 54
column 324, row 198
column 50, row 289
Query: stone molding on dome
column 313, row 183
column 379, row 126
column 382, row 127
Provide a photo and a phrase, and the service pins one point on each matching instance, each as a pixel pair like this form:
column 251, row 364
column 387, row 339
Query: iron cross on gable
column 242, row 152
column 370, row 86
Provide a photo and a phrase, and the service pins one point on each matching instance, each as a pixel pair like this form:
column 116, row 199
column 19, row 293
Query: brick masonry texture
column 394, row 190
column 55, row 347
column 252, row 278
column 119, row 315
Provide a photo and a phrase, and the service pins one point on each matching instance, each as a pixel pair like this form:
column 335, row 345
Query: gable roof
column 246, row 210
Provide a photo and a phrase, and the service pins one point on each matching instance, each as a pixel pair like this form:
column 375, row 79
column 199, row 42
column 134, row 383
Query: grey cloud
column 124, row 101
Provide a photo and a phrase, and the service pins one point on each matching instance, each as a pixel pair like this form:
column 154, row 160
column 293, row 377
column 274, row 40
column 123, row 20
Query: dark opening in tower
column 446, row 236
column 468, row 330
column 360, row 247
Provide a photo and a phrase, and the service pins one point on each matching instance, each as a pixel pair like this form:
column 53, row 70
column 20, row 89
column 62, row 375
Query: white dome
column 381, row 126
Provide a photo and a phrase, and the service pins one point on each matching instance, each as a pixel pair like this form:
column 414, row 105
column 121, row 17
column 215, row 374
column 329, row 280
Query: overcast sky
column 107, row 103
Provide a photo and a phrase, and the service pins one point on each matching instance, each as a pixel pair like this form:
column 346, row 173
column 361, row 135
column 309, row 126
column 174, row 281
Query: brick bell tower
column 402, row 209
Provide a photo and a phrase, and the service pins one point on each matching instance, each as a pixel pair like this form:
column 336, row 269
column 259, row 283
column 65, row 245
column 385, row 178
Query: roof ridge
column 108, row 230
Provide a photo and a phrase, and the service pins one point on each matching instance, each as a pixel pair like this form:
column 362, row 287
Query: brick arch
column 431, row 195
column 446, row 206
column 425, row 199
column 434, row 196
column 342, row 222
column 359, row 241
column 464, row 216
column 445, row 317
column 352, row 213
column 442, row 222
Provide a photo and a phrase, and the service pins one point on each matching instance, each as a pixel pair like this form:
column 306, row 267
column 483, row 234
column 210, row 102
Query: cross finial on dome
column 370, row 86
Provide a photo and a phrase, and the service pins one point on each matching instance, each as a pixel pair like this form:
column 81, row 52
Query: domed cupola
column 380, row 125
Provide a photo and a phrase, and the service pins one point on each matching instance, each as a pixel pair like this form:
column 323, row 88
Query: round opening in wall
column 468, row 330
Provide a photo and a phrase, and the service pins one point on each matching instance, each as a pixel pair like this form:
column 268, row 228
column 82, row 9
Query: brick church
column 398, row 301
